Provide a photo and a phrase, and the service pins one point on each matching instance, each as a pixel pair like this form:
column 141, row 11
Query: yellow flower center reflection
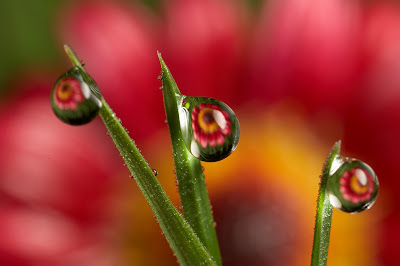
column 359, row 182
column 64, row 91
column 211, row 120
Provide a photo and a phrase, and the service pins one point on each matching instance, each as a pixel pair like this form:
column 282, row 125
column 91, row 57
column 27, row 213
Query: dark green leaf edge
column 190, row 177
column 323, row 217
column 183, row 241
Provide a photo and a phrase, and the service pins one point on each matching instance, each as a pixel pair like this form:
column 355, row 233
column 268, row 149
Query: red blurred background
column 300, row 75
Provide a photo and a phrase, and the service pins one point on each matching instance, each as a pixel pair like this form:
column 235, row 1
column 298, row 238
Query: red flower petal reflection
column 210, row 125
column 356, row 185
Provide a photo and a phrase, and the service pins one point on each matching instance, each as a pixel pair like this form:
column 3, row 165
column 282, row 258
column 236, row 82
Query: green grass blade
column 323, row 218
column 183, row 241
column 192, row 187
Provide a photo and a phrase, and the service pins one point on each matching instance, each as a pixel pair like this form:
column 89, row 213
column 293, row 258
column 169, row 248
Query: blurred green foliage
column 28, row 39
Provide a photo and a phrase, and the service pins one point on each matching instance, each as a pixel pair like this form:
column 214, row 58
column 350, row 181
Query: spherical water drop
column 75, row 98
column 209, row 128
column 353, row 187
column 155, row 173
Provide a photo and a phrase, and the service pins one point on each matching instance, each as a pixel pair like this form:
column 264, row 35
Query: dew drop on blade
column 75, row 98
column 209, row 128
column 155, row 173
column 353, row 187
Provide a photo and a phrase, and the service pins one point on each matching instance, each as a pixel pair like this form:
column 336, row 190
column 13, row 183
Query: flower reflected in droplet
column 356, row 185
column 75, row 98
column 210, row 125
column 68, row 94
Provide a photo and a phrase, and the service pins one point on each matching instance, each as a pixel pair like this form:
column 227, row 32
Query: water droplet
column 159, row 77
column 155, row 173
column 209, row 128
column 130, row 176
column 161, row 88
column 353, row 187
column 202, row 168
column 75, row 98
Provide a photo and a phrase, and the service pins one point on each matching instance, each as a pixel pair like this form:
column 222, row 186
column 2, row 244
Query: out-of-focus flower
column 203, row 43
column 331, row 57
column 373, row 128
column 56, row 183
column 44, row 161
column 377, row 112
column 264, row 197
column 265, row 211
column 118, row 42
column 308, row 51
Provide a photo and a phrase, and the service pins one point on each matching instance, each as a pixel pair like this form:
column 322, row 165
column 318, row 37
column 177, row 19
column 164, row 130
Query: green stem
column 323, row 218
column 191, row 183
column 72, row 56
column 183, row 241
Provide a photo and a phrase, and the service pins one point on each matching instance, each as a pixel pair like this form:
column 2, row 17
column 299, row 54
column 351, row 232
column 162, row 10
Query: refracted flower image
column 210, row 125
column 353, row 187
column 68, row 94
column 356, row 185
column 72, row 100
column 209, row 128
